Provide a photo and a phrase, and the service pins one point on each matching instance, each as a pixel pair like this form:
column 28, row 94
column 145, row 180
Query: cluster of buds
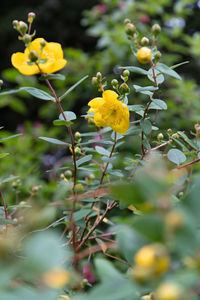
column 24, row 29
column 77, row 137
column 99, row 82
column 122, row 89
column 130, row 29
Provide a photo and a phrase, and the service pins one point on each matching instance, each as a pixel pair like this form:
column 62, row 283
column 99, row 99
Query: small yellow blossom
column 108, row 111
column 56, row 278
column 50, row 58
column 154, row 257
column 144, row 55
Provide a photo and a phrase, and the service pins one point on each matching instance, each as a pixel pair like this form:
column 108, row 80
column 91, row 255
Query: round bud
column 77, row 135
column 1, row 83
column 144, row 55
column 124, row 88
column 43, row 43
column 126, row 21
column 33, row 56
column 77, row 151
column 31, row 17
column 174, row 220
column 94, row 81
column 144, row 41
column 156, row 29
column 91, row 177
column 126, row 73
column 15, row 24
column 130, row 29
column 115, row 83
column 169, row 131
column 180, row 194
column 62, row 176
column 23, row 27
column 68, row 174
column 26, row 39
column 175, row 135
column 79, row 187
column 157, row 55
column 160, row 136
column 197, row 127
column 169, row 291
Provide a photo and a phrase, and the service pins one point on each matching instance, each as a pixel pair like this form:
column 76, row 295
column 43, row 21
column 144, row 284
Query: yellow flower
column 154, row 257
column 108, row 111
column 144, row 55
column 50, row 58
column 56, row 278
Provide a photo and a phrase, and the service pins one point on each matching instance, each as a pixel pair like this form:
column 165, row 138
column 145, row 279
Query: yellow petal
column 56, row 49
column 20, row 63
column 99, row 121
column 122, row 126
column 56, row 278
column 109, row 95
column 52, row 65
column 95, row 103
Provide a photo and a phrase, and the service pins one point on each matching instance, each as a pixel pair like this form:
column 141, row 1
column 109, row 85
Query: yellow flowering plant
column 99, row 183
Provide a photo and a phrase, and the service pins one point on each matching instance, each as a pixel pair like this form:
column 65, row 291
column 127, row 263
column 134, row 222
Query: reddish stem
column 4, row 205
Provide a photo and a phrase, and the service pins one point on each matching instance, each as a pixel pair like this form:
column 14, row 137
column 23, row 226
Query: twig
column 4, row 205
column 93, row 249
column 188, row 164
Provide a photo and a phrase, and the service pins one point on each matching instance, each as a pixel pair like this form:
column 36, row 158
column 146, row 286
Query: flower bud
column 68, row 174
column 1, row 83
column 79, row 187
column 124, row 89
column 160, row 136
column 126, row 73
column 144, row 55
column 174, row 220
column 77, row 135
column 169, row 291
column 197, row 127
column 115, row 83
column 33, row 56
column 169, row 131
column 23, row 27
column 77, row 151
column 175, row 135
column 126, row 21
column 157, row 56
column 156, row 29
column 31, row 17
column 144, row 41
column 15, row 24
column 99, row 76
column 43, row 43
column 94, row 81
column 26, row 39
column 130, row 29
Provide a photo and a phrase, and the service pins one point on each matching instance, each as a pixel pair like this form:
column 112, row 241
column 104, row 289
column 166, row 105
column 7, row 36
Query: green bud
column 99, row 76
column 43, row 43
column 169, row 131
column 160, row 136
column 197, row 127
column 15, row 24
column 23, row 27
column 62, row 176
column 94, row 81
column 79, row 187
column 77, row 151
column 180, row 194
column 126, row 21
column 124, row 89
column 1, row 83
column 68, row 174
column 77, row 135
column 144, row 41
column 175, row 135
column 115, row 83
column 156, row 29
column 157, row 55
column 31, row 17
column 26, row 39
column 130, row 29
column 126, row 73
column 33, row 56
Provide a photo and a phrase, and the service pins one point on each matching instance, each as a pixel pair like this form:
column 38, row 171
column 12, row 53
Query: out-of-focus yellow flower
column 56, row 278
column 154, row 257
column 48, row 58
column 108, row 111
column 63, row 297
column 144, row 55
column 169, row 291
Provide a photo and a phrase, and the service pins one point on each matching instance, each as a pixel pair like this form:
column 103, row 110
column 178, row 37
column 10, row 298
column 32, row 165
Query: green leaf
column 187, row 140
column 146, row 126
column 176, row 156
column 61, row 122
column 142, row 90
column 178, row 65
column 8, row 179
column 135, row 70
column 83, row 160
column 106, row 271
column 136, row 107
column 40, row 94
column 102, row 151
column 3, row 155
column 166, row 70
column 158, row 104
column 52, row 76
column 145, row 88
column 80, row 214
column 159, row 77
column 70, row 115
column 73, row 87
column 53, row 141
column 9, row 137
